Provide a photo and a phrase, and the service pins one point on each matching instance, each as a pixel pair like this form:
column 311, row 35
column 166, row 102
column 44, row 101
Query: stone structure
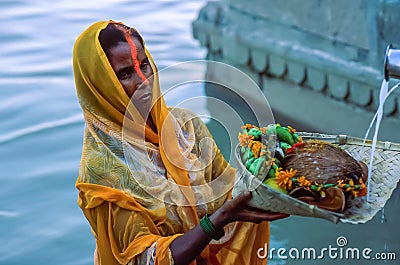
column 319, row 63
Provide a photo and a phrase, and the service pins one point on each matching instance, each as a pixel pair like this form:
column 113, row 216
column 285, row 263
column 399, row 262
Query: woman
column 152, row 190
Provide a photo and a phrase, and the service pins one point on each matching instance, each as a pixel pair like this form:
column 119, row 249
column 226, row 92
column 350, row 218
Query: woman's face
column 133, row 70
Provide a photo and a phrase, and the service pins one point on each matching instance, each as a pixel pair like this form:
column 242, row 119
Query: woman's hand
column 188, row 247
column 238, row 209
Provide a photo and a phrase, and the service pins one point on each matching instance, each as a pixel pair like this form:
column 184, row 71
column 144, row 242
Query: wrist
column 219, row 218
column 209, row 228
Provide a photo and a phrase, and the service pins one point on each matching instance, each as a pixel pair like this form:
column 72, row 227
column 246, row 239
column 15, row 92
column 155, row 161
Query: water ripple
column 40, row 127
column 8, row 213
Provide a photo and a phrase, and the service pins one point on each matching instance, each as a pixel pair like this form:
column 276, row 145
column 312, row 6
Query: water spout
column 392, row 63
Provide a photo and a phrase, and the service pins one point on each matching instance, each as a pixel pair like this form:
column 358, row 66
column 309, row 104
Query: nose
column 139, row 81
column 137, row 85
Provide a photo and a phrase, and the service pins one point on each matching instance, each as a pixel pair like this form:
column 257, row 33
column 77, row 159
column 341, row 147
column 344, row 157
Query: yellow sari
column 137, row 201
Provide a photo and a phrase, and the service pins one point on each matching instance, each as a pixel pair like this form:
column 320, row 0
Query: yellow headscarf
column 102, row 97
column 104, row 103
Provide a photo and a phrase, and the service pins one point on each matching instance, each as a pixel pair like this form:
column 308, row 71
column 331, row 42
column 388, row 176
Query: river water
column 42, row 125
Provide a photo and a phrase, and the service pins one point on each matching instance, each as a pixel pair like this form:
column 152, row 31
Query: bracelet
column 210, row 228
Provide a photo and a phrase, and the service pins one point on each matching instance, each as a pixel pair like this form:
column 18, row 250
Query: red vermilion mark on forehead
column 136, row 63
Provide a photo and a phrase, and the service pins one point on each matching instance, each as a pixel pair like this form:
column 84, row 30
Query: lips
column 145, row 97
column 142, row 94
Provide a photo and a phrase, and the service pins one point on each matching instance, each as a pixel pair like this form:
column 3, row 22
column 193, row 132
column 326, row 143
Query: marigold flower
column 244, row 139
column 291, row 129
column 351, row 186
column 351, row 183
column 248, row 126
column 284, row 178
column 303, row 182
column 256, row 148
column 363, row 189
column 340, row 183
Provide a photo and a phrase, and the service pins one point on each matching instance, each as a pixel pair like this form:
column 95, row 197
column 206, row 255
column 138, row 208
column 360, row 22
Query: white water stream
column 383, row 95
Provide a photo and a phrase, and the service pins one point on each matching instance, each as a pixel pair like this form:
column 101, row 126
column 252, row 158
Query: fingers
column 240, row 210
column 243, row 198
column 277, row 216
column 259, row 216
column 240, row 201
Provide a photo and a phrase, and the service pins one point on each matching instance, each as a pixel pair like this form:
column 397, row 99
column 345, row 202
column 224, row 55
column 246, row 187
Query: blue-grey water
column 41, row 131
column 41, row 121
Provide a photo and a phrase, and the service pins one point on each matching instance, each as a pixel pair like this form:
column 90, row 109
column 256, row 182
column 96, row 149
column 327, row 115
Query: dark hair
column 112, row 34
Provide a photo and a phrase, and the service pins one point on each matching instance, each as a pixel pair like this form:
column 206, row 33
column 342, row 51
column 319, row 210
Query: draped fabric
column 140, row 189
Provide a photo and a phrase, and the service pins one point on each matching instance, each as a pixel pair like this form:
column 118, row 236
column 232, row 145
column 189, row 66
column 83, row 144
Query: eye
column 144, row 65
column 124, row 75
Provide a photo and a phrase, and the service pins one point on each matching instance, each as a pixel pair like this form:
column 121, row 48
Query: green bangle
column 210, row 228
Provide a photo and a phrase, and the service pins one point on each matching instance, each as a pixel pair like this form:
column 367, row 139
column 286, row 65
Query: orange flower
column 265, row 152
column 351, row 185
column 256, row 148
column 357, row 190
column 303, row 182
column 244, row 139
column 248, row 126
column 363, row 189
column 340, row 183
column 270, row 161
column 263, row 130
column 291, row 130
column 284, row 178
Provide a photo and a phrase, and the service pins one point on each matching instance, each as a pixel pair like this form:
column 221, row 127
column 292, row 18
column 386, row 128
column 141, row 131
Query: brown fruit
column 323, row 163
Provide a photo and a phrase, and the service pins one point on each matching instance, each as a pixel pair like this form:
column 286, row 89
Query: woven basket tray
column 385, row 176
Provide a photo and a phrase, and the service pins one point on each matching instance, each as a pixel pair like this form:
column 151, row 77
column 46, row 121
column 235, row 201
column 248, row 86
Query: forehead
column 122, row 50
